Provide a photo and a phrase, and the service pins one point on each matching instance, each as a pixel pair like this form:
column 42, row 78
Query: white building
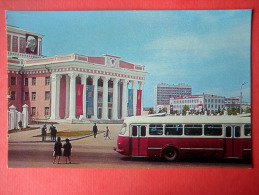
column 198, row 103
column 163, row 92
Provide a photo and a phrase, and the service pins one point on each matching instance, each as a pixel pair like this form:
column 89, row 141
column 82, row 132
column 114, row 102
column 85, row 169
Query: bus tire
column 170, row 154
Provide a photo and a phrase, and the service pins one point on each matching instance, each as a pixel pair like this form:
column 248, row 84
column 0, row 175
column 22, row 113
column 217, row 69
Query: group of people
column 53, row 132
column 106, row 134
column 57, row 153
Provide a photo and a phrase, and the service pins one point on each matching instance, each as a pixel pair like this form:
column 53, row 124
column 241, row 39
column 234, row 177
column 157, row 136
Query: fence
column 15, row 117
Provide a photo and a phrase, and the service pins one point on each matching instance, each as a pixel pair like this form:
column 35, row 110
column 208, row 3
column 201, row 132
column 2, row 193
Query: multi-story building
column 73, row 85
column 198, row 103
column 163, row 92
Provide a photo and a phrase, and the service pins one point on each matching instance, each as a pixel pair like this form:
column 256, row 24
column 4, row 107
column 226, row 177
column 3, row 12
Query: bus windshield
column 123, row 129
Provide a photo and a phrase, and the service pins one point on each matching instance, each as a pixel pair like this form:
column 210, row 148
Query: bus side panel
column 198, row 147
column 123, row 145
column 134, row 146
column 247, row 148
column 143, row 143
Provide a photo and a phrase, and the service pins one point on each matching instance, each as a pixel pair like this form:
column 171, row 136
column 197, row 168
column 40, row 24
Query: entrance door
column 138, row 140
column 233, row 142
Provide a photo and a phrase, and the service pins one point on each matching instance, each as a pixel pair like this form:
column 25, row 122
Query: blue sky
column 209, row 49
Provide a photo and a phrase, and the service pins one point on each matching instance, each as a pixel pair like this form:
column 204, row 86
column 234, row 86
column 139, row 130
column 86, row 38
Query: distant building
column 163, row 92
column 70, row 86
column 198, row 103
column 232, row 102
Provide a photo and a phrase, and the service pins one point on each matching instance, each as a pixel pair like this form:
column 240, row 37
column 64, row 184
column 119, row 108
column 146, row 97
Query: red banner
column 139, row 98
column 79, row 99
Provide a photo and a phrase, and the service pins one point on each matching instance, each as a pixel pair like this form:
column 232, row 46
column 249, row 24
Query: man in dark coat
column 95, row 129
column 44, row 132
column 51, row 129
column 55, row 131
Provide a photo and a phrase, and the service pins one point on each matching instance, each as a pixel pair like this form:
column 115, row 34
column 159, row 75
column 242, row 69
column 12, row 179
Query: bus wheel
column 170, row 154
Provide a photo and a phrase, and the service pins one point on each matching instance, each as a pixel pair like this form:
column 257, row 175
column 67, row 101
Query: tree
column 185, row 109
column 151, row 111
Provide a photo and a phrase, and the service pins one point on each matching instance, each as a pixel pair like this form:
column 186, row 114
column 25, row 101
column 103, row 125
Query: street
column 90, row 152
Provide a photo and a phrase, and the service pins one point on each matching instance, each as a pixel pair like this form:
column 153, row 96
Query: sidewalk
column 29, row 136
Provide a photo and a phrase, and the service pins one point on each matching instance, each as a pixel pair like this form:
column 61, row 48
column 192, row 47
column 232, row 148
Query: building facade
column 163, row 92
column 198, row 103
column 70, row 86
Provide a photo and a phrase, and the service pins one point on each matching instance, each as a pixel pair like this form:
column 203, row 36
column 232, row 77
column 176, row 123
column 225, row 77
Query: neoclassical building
column 70, row 86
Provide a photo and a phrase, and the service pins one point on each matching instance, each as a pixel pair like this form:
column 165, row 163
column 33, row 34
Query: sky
column 206, row 49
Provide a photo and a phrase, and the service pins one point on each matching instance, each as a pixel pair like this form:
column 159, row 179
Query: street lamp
column 241, row 97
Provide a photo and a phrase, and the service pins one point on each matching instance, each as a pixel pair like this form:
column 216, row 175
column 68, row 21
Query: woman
column 67, row 150
column 57, row 150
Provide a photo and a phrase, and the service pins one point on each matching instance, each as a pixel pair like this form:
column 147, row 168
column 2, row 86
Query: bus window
column 173, row 129
column 237, row 131
column 143, row 131
column 247, row 130
column 212, row 130
column 193, row 130
column 134, row 130
column 156, row 129
column 228, row 131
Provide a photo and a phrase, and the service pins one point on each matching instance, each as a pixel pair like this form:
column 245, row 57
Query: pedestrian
column 107, row 133
column 51, row 129
column 20, row 125
column 44, row 132
column 67, row 151
column 95, row 129
column 57, row 150
column 55, row 131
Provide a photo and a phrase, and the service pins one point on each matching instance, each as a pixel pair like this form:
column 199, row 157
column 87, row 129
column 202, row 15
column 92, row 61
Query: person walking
column 67, row 151
column 107, row 133
column 44, row 132
column 20, row 125
column 57, row 150
column 95, row 129
column 51, row 128
column 55, row 131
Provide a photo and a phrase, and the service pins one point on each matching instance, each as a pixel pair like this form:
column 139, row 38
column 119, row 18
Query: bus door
column 233, row 143
column 138, row 140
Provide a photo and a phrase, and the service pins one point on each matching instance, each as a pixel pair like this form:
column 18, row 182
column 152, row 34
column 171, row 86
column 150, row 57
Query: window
column 33, row 95
column 143, row 131
column 173, row 129
column 13, row 80
column 134, row 130
column 46, row 111
column 212, row 130
column 228, row 131
column 26, row 95
column 33, row 81
column 247, row 130
column 123, row 129
column 237, row 131
column 156, row 129
column 33, row 111
column 13, row 95
column 47, row 95
column 47, row 80
column 25, row 81
column 193, row 130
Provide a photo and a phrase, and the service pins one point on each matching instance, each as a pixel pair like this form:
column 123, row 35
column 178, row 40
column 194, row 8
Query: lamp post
column 241, row 96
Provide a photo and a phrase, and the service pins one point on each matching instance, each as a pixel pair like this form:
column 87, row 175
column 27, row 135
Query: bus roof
column 190, row 119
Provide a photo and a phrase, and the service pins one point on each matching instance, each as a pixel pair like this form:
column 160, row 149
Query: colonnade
column 119, row 102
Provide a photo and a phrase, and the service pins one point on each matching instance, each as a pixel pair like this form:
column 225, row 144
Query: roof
column 197, row 119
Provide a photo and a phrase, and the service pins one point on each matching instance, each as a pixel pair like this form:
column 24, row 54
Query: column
column 67, row 96
column 83, row 82
column 105, row 98
column 125, row 98
column 12, row 116
column 115, row 99
column 25, row 115
column 55, row 96
column 95, row 99
column 72, row 102
column 134, row 87
column 141, row 87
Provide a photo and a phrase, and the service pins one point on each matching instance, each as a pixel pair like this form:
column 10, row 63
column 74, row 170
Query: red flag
column 139, row 98
column 79, row 99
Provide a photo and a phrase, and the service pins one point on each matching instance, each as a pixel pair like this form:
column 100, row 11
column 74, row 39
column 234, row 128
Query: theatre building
column 70, row 86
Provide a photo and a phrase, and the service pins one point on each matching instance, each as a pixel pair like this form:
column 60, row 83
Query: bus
column 171, row 137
